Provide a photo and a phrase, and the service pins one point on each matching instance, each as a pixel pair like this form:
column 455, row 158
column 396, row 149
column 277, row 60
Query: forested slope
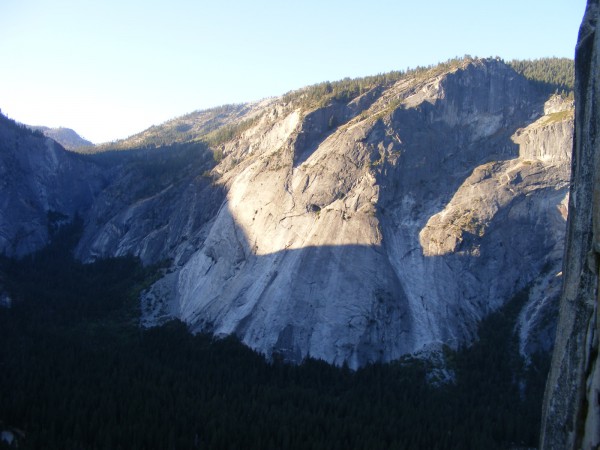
column 77, row 372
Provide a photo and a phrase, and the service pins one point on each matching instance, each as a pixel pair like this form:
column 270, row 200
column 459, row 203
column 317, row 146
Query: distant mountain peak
column 66, row 137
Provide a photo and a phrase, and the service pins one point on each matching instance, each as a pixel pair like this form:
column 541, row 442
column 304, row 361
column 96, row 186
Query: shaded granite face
column 571, row 413
column 41, row 185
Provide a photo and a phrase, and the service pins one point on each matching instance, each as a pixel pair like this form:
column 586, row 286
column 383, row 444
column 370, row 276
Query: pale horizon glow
column 111, row 69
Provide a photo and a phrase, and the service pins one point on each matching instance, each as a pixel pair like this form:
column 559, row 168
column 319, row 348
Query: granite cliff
column 571, row 413
column 354, row 226
column 362, row 230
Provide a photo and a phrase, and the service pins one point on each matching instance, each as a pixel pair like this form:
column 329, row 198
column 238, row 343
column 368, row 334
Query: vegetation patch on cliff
column 560, row 116
column 557, row 73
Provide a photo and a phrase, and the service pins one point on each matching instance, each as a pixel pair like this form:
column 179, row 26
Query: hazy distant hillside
column 66, row 137
column 190, row 127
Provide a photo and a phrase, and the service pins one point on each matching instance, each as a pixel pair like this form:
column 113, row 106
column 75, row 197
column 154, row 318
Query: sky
column 112, row 68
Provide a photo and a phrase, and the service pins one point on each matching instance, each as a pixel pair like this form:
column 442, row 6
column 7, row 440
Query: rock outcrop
column 571, row 413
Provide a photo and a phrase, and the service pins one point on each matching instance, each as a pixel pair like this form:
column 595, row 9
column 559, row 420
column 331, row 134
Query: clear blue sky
column 111, row 68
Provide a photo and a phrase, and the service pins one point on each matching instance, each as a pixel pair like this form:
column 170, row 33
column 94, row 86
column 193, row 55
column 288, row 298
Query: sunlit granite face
column 396, row 231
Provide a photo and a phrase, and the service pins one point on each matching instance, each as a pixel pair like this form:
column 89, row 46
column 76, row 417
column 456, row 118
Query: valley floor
column 77, row 372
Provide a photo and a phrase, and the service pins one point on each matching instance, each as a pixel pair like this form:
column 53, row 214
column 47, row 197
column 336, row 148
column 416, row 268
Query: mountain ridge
column 552, row 74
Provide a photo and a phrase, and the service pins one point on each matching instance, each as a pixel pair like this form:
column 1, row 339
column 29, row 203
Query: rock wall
column 550, row 138
column 571, row 412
